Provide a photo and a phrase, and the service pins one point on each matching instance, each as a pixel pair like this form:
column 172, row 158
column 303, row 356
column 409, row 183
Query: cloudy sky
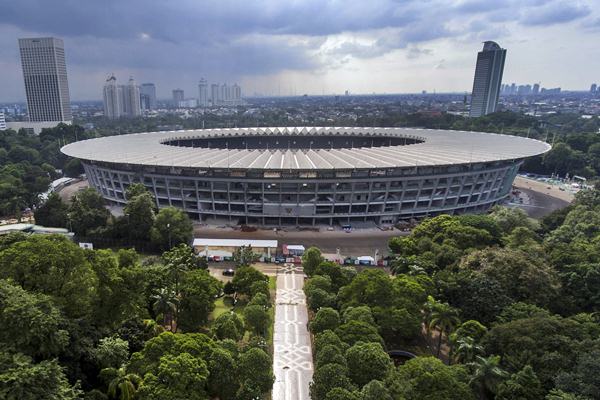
column 305, row 46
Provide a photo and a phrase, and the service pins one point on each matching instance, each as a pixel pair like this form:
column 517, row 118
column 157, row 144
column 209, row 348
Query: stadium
column 309, row 175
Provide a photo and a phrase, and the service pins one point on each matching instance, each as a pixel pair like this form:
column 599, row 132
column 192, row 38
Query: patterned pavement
column 292, row 360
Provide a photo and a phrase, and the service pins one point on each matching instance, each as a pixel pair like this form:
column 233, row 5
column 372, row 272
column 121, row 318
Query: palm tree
column 428, row 308
column 467, row 349
column 486, row 375
column 445, row 319
column 165, row 303
column 122, row 385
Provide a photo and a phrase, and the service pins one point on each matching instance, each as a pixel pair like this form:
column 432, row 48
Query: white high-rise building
column 112, row 98
column 45, row 76
column 131, row 99
column 488, row 78
column 203, row 93
column 2, row 122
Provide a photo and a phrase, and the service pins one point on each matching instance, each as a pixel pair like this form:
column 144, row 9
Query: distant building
column 45, row 76
column 593, row 88
column 215, row 94
column 237, row 94
column 121, row 100
column 131, row 99
column 148, row 96
column 203, row 93
column 536, row 88
column 112, row 98
column 2, row 122
column 178, row 96
column 488, row 78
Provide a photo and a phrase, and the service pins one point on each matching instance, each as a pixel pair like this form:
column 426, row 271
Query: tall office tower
column 131, row 99
column 513, row 88
column 593, row 88
column 203, row 93
column 488, row 77
column 2, row 122
column 112, row 98
column 224, row 94
column 177, row 96
column 536, row 88
column 215, row 93
column 148, row 95
column 45, row 75
column 237, row 93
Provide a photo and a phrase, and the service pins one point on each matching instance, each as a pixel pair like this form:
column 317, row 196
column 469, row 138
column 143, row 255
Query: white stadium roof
column 440, row 147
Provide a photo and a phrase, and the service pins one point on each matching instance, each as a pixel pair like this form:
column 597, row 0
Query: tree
column 445, row 319
column 121, row 385
column 87, row 212
column 228, row 326
column 510, row 218
column 326, row 318
column 178, row 261
column 257, row 319
column 487, row 374
column 254, row 366
column 366, row 362
column 111, row 352
column 311, row 259
column 197, row 299
column 245, row 277
column 140, row 214
column 171, row 227
column 375, row 390
column 327, row 378
column 180, row 376
column 52, row 213
column 73, row 168
column 31, row 323
column 397, row 325
column 548, row 344
column 429, row 378
column 522, row 277
column 55, row 266
column 222, row 382
column 243, row 256
column 165, row 304
column 319, row 298
column 371, row 287
column 357, row 331
column 584, row 379
column 466, row 349
column 342, row 394
column 359, row 313
column 119, row 293
column 330, row 354
column 21, row 379
column 523, row 385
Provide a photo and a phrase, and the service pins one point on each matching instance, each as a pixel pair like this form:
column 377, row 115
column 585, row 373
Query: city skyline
column 394, row 47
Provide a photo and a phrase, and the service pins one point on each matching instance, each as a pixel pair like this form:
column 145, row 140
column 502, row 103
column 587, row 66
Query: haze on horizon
column 311, row 46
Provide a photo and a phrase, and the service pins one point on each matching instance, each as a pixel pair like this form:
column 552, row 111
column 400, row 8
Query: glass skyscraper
column 45, row 76
column 488, row 78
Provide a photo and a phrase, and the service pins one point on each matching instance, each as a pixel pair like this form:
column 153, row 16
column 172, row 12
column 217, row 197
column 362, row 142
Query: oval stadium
column 308, row 175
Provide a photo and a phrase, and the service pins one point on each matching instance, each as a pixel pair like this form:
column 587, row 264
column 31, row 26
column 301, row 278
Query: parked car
column 229, row 272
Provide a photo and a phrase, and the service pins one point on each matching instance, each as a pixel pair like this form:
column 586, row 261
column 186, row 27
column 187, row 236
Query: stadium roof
column 440, row 147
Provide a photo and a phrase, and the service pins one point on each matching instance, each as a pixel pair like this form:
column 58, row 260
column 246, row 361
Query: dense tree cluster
column 91, row 323
column 141, row 224
column 495, row 306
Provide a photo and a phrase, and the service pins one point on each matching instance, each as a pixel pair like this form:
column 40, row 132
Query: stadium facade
column 309, row 175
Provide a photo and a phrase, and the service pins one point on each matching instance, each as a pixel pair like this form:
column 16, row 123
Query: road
column 292, row 358
column 359, row 242
column 538, row 200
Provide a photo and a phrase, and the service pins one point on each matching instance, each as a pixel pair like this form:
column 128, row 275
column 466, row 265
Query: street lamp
column 169, row 232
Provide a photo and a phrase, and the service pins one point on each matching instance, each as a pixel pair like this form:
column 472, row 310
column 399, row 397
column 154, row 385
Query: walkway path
column 292, row 360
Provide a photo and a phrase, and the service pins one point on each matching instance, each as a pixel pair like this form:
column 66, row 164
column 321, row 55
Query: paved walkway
column 292, row 361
